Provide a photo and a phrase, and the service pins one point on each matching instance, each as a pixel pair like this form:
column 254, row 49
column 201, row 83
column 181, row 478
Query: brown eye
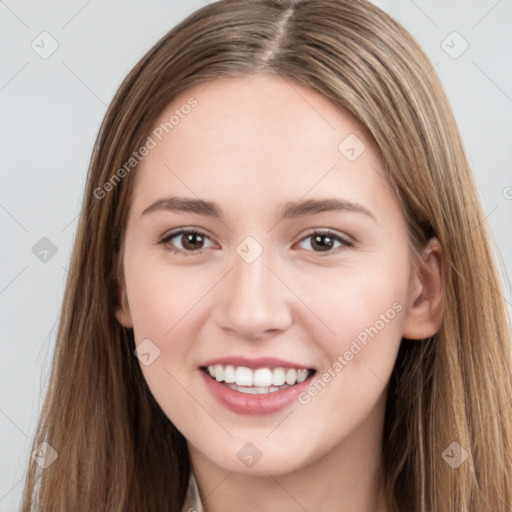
column 192, row 242
column 324, row 241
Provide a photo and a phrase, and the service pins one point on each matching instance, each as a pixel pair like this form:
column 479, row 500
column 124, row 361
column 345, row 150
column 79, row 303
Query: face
column 262, row 281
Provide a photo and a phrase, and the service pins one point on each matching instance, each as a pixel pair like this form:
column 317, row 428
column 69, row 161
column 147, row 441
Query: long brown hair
column 116, row 449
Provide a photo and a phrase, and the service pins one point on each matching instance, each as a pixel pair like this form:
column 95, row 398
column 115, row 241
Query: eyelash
column 326, row 232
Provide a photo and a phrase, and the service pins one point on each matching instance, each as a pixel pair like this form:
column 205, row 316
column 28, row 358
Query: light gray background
column 51, row 110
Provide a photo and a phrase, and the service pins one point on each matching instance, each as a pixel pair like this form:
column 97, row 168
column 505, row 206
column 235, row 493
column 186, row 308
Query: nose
column 253, row 301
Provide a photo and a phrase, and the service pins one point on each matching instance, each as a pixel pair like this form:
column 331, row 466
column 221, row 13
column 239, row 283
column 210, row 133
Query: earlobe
column 426, row 305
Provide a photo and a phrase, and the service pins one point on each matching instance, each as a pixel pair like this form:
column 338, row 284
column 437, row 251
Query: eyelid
column 330, row 232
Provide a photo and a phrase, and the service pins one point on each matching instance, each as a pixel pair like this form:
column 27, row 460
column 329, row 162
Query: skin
column 250, row 145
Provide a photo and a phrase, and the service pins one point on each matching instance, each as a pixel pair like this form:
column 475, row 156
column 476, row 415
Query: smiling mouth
column 258, row 381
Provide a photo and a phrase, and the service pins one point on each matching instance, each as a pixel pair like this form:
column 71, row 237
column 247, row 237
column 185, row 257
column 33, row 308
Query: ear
column 426, row 305
column 122, row 312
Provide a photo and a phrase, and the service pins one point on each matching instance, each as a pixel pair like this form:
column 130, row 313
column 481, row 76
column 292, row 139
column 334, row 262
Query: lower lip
column 244, row 403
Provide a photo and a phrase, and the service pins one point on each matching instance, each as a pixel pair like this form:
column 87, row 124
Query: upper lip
column 257, row 362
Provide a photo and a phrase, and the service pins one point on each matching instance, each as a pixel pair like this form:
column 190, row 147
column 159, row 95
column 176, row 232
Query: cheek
column 162, row 303
column 161, row 298
column 363, row 309
column 356, row 303
column 363, row 351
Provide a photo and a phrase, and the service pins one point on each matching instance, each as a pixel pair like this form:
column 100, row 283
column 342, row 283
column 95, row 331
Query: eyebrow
column 290, row 210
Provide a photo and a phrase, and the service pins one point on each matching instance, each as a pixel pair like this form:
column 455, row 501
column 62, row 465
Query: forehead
column 261, row 134
column 258, row 109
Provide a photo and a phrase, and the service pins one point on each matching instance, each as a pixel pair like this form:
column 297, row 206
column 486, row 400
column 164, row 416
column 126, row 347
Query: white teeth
column 301, row 376
column 262, row 378
column 229, row 374
column 254, row 390
column 243, row 376
column 219, row 372
column 278, row 377
column 291, row 376
column 266, row 379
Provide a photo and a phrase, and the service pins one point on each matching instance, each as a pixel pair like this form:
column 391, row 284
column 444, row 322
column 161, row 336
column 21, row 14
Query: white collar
column 192, row 500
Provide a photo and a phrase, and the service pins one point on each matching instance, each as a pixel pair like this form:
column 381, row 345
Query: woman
column 337, row 340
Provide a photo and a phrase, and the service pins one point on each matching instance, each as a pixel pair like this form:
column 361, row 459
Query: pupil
column 323, row 247
column 191, row 237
